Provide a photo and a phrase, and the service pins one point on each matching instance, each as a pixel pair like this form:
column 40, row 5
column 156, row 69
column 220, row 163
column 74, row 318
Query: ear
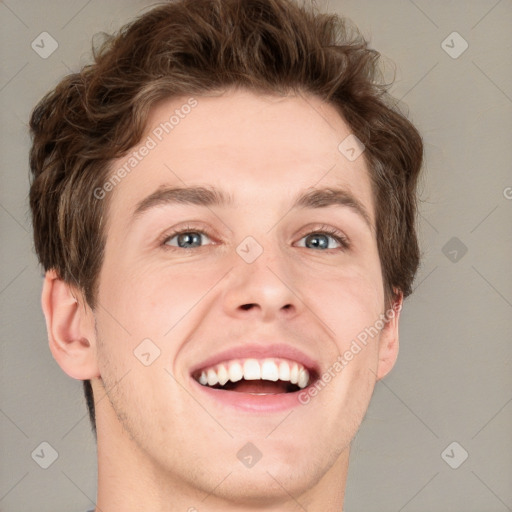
column 70, row 326
column 388, row 342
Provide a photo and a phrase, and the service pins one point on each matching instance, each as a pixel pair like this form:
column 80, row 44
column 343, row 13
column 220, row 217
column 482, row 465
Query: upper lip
column 258, row 351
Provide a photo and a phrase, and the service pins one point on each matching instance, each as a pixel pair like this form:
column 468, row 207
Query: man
column 224, row 205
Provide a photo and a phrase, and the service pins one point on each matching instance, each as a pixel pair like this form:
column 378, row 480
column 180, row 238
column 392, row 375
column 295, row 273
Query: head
column 255, row 99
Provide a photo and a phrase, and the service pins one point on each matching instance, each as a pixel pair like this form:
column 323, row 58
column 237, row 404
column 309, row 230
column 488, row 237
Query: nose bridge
column 261, row 278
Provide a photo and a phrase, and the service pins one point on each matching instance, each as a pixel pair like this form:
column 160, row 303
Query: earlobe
column 388, row 343
column 70, row 326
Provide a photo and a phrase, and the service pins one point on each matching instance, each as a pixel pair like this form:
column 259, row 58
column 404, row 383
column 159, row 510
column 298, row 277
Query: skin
column 162, row 445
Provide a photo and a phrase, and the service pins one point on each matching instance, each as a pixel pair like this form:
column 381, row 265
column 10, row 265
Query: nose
column 262, row 289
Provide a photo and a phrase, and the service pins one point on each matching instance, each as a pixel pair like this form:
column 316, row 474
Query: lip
column 251, row 403
column 279, row 350
column 256, row 403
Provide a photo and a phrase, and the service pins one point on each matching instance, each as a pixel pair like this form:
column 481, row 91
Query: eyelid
column 172, row 232
column 324, row 229
column 331, row 231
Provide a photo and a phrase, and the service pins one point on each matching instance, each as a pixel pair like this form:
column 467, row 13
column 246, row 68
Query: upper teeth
column 255, row 369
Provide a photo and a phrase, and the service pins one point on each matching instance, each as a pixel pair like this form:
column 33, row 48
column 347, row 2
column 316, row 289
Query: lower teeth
column 258, row 387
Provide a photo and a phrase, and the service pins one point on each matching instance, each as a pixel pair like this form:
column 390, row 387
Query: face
column 274, row 284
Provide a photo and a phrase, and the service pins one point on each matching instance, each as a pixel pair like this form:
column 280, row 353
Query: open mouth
column 269, row 376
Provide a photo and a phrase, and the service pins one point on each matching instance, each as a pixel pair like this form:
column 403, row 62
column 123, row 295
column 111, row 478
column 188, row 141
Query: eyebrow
column 325, row 197
column 199, row 196
column 210, row 196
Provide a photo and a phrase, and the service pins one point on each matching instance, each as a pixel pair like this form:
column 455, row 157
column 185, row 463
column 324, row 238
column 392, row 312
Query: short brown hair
column 191, row 47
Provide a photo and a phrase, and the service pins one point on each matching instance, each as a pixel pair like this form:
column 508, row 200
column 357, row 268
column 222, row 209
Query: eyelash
column 333, row 233
column 323, row 230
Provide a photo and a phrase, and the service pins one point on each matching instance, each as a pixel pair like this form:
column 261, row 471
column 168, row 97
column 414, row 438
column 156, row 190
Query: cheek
column 147, row 301
column 349, row 300
column 356, row 389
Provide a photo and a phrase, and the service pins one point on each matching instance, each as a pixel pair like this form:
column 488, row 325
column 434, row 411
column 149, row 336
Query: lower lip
column 252, row 403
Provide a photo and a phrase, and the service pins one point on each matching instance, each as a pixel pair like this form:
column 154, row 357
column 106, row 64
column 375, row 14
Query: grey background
column 453, row 379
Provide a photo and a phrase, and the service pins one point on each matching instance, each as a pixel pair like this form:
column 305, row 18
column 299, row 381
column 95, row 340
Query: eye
column 186, row 239
column 319, row 240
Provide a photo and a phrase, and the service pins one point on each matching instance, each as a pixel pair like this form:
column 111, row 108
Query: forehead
column 255, row 147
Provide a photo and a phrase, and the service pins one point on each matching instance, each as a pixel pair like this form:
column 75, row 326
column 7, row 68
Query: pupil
column 318, row 240
column 188, row 238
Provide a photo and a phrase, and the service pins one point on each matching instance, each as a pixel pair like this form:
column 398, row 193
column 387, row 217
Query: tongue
column 258, row 386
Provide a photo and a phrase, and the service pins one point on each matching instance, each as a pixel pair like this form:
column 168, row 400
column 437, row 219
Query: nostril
column 247, row 306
